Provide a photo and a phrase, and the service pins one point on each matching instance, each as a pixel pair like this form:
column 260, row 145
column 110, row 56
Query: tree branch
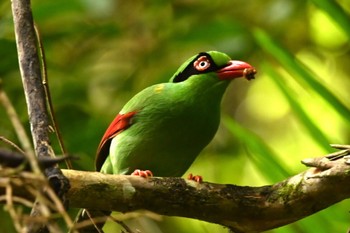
column 31, row 78
column 243, row 209
column 35, row 97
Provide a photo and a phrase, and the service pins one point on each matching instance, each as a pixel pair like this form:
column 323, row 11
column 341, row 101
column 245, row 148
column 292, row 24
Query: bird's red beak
column 236, row 69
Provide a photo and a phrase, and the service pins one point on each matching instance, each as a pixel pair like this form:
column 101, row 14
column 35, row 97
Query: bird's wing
column 119, row 124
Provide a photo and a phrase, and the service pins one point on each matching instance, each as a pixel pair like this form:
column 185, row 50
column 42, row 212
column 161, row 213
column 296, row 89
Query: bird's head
column 215, row 63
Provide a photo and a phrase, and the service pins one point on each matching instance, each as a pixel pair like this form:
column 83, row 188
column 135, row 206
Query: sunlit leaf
column 262, row 155
column 304, row 119
column 336, row 12
column 302, row 74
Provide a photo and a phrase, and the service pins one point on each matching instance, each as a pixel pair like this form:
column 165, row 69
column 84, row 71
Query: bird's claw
column 196, row 178
column 142, row 173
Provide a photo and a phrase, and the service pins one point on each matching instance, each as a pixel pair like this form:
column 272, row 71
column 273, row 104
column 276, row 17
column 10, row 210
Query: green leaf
column 334, row 11
column 306, row 121
column 301, row 74
column 262, row 155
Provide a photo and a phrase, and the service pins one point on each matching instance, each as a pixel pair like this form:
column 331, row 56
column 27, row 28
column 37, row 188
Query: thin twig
column 11, row 209
column 17, row 125
column 22, row 201
column 54, row 203
column 59, row 207
column 338, row 154
column 45, row 82
column 121, row 223
column 93, row 222
column 88, row 222
column 339, row 146
column 42, row 204
column 12, row 144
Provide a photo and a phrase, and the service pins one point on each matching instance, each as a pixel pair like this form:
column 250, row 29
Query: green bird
column 163, row 128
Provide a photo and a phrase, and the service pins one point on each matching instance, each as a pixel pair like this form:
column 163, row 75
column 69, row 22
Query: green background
column 101, row 53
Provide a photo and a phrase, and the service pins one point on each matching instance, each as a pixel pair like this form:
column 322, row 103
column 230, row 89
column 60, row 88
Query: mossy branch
column 240, row 208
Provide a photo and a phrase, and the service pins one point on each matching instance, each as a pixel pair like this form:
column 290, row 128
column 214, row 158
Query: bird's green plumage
column 172, row 124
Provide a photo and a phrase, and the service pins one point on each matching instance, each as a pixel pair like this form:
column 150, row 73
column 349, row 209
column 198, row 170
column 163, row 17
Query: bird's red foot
column 198, row 179
column 142, row 173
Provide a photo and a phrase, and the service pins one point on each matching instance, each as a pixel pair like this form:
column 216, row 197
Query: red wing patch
column 120, row 123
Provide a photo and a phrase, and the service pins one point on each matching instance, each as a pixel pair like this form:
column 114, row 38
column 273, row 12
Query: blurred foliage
column 100, row 53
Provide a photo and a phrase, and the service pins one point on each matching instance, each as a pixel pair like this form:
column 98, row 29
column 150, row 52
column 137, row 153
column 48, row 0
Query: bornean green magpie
column 163, row 128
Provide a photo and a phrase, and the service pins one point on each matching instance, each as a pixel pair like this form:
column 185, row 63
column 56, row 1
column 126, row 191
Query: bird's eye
column 202, row 63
